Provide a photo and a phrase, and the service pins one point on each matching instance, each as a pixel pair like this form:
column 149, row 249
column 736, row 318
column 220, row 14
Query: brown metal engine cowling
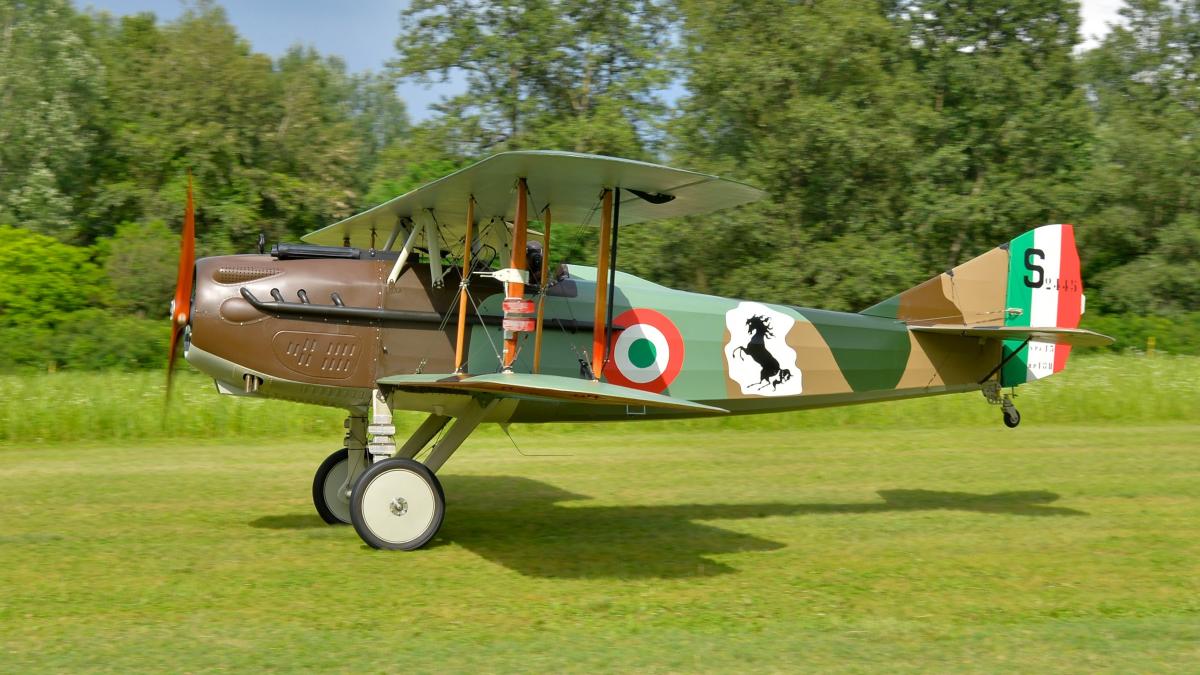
column 320, row 350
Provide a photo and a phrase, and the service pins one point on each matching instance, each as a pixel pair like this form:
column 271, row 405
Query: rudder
column 1045, row 285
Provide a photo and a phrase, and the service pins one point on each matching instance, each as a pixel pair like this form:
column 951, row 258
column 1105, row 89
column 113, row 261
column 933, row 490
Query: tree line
column 895, row 138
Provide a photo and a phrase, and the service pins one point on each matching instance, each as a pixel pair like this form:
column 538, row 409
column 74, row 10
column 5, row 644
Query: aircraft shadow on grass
column 521, row 524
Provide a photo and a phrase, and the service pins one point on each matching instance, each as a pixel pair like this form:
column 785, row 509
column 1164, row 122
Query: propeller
column 181, row 306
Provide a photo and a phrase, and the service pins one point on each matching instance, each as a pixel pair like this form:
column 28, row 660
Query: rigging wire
column 486, row 333
column 427, row 449
column 504, row 428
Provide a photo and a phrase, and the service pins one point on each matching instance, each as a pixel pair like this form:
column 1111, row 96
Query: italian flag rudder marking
column 1044, row 284
column 1070, row 297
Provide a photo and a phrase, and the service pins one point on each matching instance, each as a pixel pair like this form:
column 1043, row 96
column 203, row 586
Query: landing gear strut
column 991, row 391
column 337, row 474
column 398, row 503
column 1011, row 416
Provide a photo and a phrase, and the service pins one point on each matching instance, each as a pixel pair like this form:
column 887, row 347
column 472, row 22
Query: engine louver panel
column 241, row 275
column 324, row 355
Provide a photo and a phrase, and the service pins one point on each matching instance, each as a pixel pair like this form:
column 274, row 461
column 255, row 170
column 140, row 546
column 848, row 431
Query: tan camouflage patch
column 947, row 360
column 732, row 388
column 929, row 302
column 821, row 372
column 980, row 286
column 974, row 294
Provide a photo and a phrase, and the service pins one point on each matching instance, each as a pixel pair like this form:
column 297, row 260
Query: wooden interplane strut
column 516, row 289
column 612, row 274
column 460, row 340
column 598, row 329
column 545, row 282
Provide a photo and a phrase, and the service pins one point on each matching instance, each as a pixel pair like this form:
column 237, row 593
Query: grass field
column 964, row 547
column 86, row 408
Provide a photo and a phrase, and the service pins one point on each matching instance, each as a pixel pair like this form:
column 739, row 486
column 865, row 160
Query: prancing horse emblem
column 771, row 373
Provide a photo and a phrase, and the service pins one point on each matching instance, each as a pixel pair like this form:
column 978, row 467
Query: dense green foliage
column 42, row 279
column 894, row 137
column 571, row 74
column 102, row 116
column 1177, row 333
column 1144, row 243
column 894, row 143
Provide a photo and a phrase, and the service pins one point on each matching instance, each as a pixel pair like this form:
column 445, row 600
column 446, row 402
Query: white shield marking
column 757, row 354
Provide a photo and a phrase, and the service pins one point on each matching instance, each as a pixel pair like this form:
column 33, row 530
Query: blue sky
column 363, row 32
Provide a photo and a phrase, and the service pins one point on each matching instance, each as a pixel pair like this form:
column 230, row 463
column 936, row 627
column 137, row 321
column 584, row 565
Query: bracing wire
column 427, row 449
column 486, row 332
column 504, row 428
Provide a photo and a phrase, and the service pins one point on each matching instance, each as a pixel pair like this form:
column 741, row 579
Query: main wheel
column 332, row 502
column 1012, row 418
column 397, row 504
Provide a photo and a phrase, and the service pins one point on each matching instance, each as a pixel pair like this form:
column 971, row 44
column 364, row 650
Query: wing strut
column 516, row 289
column 612, row 275
column 460, row 341
column 545, row 282
column 598, row 328
column 404, row 253
column 391, row 240
column 430, row 225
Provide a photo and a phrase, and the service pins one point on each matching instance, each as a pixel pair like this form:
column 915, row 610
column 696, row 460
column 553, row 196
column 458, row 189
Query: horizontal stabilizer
column 544, row 387
column 1075, row 337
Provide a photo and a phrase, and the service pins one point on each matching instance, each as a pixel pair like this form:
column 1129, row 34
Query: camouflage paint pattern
column 741, row 356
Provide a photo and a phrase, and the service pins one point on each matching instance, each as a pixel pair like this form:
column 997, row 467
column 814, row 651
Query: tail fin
column 1032, row 281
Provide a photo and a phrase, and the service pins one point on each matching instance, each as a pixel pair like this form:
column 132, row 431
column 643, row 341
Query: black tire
column 318, row 487
column 432, row 503
column 1011, row 421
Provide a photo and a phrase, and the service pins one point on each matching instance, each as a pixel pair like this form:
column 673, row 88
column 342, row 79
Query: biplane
column 445, row 301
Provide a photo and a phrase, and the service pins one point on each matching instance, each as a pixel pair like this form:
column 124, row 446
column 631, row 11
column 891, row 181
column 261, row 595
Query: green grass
column 69, row 407
column 907, row 537
column 965, row 548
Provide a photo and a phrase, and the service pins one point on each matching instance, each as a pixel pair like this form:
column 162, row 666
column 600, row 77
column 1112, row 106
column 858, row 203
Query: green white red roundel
column 647, row 354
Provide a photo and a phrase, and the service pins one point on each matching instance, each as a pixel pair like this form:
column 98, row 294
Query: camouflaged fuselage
column 737, row 355
column 834, row 358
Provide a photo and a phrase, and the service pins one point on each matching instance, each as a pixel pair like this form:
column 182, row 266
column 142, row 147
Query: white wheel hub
column 398, row 505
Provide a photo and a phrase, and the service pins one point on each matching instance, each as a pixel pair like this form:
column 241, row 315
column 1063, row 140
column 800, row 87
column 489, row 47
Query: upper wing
column 1076, row 337
column 545, row 387
column 566, row 182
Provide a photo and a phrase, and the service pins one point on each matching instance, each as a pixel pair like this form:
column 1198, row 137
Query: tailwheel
column 397, row 504
column 1011, row 417
column 329, row 490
